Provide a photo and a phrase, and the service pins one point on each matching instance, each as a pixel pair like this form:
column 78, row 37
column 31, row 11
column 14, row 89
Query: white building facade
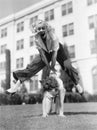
column 74, row 22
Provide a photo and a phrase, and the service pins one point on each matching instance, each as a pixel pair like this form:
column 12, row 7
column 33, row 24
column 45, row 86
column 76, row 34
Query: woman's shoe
column 14, row 88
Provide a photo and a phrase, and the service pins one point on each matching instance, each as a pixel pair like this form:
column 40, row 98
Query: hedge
column 26, row 98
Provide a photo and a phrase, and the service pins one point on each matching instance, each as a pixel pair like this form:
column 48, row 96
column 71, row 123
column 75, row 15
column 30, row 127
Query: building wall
column 81, row 37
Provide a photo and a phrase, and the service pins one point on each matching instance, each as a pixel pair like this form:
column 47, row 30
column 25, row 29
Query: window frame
column 91, row 21
column 93, row 47
column 71, row 50
column 70, row 7
column 49, row 15
column 3, row 48
column 3, row 32
column 20, row 44
column 20, row 26
column 19, row 62
column 65, row 30
column 71, row 28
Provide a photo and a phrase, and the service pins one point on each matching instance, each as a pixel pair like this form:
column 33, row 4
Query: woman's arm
column 44, row 57
column 53, row 60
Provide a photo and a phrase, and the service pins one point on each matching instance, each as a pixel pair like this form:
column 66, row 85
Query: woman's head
column 40, row 27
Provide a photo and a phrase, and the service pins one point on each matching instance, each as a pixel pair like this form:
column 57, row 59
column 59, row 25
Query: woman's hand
column 53, row 69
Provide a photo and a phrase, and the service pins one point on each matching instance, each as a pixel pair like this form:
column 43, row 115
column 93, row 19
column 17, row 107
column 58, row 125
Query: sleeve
column 37, row 44
column 55, row 40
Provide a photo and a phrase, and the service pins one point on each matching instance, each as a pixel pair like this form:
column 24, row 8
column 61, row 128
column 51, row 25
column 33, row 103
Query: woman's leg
column 14, row 88
column 46, row 104
column 57, row 104
column 62, row 95
column 44, row 107
column 25, row 74
column 66, row 65
column 34, row 67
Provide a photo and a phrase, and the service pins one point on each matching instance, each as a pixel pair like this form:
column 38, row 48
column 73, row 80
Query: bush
column 10, row 99
column 32, row 99
column 92, row 98
column 26, row 98
column 3, row 99
column 86, row 95
column 74, row 97
column 38, row 98
column 15, row 99
column 18, row 99
column 3, row 84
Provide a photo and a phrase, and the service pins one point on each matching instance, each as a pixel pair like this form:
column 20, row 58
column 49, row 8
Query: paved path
column 82, row 116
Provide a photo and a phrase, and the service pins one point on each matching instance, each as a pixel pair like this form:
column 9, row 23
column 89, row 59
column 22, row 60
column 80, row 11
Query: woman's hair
column 49, row 33
column 34, row 26
column 49, row 83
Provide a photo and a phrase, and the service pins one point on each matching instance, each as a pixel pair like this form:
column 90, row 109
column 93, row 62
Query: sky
column 8, row 7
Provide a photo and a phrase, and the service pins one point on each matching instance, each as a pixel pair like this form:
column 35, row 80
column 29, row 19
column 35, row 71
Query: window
column 71, row 50
column 49, row 15
column 4, row 32
column 2, row 49
column 31, row 85
column 20, row 44
column 94, row 77
column 93, row 47
column 64, row 28
column 20, row 27
column 34, row 83
column 67, row 8
column 71, row 29
column 31, row 58
column 95, row 35
column 70, row 10
column 89, row 2
column 33, row 19
column 63, row 9
column 32, row 40
column 19, row 62
column 2, row 65
column 91, row 21
column 68, row 29
column 96, row 20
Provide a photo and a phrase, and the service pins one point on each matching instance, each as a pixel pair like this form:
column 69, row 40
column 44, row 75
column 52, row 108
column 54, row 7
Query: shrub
column 3, row 99
column 3, row 84
column 26, row 98
column 32, row 99
column 15, row 99
column 38, row 98
column 92, row 98
column 74, row 97
column 86, row 95
column 6, row 99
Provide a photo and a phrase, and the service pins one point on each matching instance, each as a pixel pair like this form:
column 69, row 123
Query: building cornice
column 27, row 11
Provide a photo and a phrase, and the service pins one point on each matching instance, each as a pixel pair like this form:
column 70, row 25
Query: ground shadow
column 65, row 113
column 78, row 113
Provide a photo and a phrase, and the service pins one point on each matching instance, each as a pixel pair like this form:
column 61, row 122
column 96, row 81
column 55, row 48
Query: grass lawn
column 82, row 116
